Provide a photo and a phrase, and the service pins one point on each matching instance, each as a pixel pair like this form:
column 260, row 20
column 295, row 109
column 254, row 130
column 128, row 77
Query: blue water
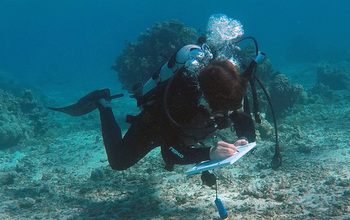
column 62, row 45
column 65, row 49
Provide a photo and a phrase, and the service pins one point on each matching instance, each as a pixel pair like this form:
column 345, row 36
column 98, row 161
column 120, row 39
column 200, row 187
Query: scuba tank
column 145, row 94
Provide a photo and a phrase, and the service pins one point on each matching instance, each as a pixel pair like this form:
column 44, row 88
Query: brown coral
column 284, row 94
column 140, row 60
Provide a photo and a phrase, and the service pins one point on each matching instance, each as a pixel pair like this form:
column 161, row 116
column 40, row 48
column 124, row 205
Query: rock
column 265, row 128
column 280, row 197
column 97, row 175
column 10, row 134
column 258, row 189
column 27, row 102
column 346, row 193
column 331, row 180
column 344, row 183
column 26, row 203
column 305, row 149
column 336, row 78
column 6, row 179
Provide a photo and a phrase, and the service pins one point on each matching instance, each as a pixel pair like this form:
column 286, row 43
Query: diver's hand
column 225, row 150
column 241, row 142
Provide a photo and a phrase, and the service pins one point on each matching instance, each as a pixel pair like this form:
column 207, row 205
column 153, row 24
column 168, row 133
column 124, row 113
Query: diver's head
column 222, row 86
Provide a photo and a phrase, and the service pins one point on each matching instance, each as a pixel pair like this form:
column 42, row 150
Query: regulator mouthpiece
column 247, row 73
column 259, row 57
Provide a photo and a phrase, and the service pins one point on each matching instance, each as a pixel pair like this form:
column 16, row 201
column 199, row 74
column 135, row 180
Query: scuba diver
column 186, row 100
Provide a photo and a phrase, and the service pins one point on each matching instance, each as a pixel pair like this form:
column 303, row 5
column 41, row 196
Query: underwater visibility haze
column 54, row 165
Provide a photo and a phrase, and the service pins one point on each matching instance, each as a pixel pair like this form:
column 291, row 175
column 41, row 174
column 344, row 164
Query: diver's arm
column 177, row 155
column 244, row 125
column 224, row 150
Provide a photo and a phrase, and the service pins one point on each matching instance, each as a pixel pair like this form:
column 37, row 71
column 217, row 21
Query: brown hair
column 222, row 86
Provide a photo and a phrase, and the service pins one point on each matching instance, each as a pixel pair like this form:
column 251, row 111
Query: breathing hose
column 277, row 158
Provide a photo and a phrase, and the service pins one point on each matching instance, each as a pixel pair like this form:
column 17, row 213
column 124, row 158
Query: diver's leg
column 122, row 153
column 111, row 132
column 138, row 141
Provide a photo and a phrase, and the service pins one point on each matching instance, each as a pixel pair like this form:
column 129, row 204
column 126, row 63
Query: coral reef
column 9, row 84
column 264, row 130
column 321, row 94
column 11, row 129
column 283, row 94
column 21, row 118
column 140, row 60
column 335, row 77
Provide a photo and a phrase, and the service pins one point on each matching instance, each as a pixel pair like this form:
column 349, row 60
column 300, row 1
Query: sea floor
column 66, row 176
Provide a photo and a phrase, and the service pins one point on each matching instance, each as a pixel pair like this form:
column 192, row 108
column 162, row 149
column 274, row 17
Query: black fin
column 87, row 103
column 76, row 109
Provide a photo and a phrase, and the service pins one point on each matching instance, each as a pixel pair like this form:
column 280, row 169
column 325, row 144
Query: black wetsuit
column 153, row 128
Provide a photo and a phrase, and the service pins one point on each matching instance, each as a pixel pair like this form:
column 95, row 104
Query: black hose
column 166, row 107
column 277, row 158
column 251, row 38
column 252, row 79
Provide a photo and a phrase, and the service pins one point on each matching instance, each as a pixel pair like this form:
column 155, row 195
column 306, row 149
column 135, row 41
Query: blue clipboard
column 209, row 165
